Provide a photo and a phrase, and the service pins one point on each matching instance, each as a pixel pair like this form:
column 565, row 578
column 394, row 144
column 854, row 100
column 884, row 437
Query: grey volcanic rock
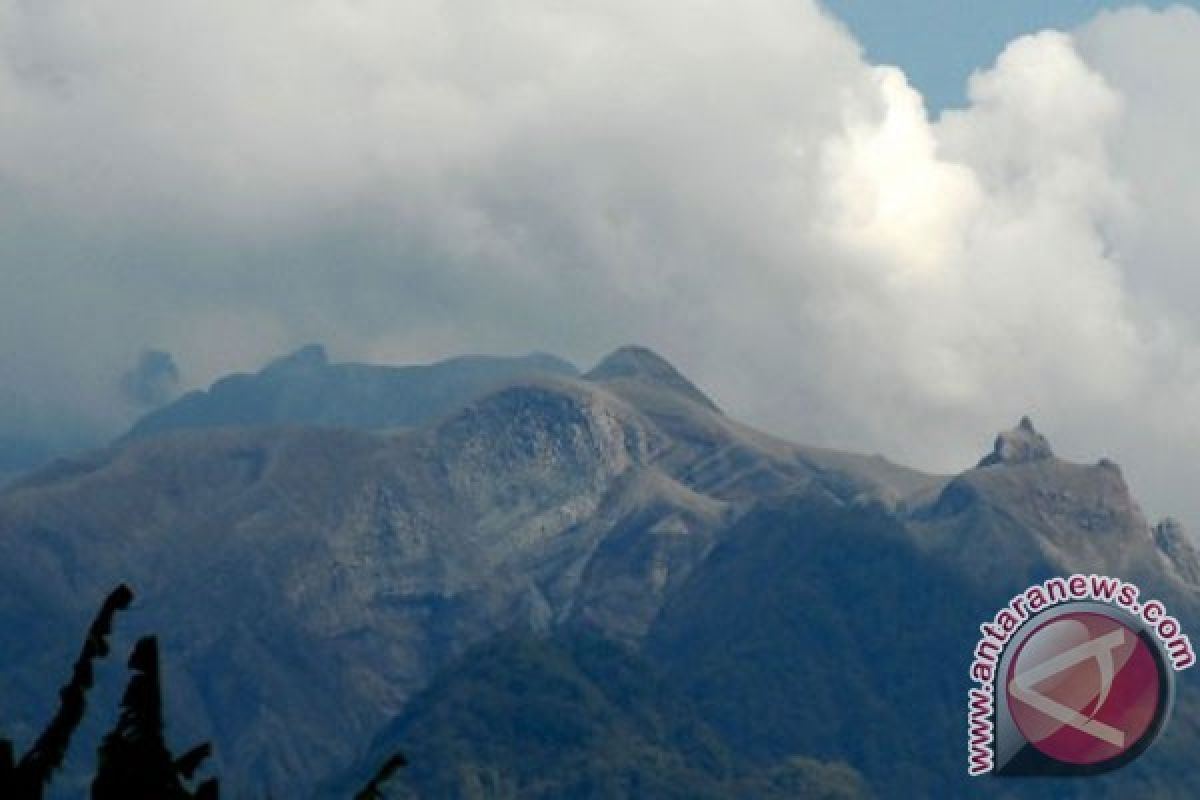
column 1020, row 445
column 1023, row 510
column 1178, row 549
column 304, row 388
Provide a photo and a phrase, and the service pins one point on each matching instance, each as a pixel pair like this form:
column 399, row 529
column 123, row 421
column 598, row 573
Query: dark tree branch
column 371, row 791
column 28, row 779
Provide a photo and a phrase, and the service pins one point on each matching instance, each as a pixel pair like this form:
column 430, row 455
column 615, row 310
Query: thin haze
column 736, row 186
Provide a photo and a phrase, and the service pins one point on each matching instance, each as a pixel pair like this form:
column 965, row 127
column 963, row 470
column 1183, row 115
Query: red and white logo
column 1084, row 688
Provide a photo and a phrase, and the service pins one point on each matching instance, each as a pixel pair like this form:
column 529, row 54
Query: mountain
column 845, row 632
column 1025, row 508
column 633, row 367
column 304, row 388
column 21, row 454
column 312, row 578
column 318, row 588
column 821, row 629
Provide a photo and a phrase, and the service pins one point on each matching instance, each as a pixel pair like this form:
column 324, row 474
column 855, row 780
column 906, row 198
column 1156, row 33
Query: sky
column 895, row 234
column 939, row 43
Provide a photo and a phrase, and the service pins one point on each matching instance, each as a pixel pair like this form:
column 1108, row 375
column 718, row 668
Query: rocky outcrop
column 1178, row 549
column 1021, row 445
column 1026, row 510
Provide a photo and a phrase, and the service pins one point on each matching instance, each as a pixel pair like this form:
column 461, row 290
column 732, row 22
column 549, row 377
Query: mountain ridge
column 306, row 388
column 340, row 570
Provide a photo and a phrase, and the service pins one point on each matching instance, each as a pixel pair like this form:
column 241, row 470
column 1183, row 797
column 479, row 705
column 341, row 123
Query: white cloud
column 735, row 186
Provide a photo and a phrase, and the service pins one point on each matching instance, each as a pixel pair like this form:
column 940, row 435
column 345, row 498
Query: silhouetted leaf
column 134, row 763
column 207, row 790
column 38, row 765
column 187, row 764
column 389, row 768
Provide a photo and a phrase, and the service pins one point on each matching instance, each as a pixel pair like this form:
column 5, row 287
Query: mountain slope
column 1022, row 505
column 846, row 631
column 307, row 581
column 573, row 716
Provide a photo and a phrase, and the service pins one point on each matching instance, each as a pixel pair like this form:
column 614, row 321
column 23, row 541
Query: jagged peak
column 1170, row 536
column 643, row 365
column 1173, row 542
column 1020, row 445
column 310, row 356
column 1169, row 530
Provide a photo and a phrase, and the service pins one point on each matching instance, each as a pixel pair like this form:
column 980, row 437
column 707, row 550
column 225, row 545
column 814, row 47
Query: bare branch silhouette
column 27, row 779
column 372, row 791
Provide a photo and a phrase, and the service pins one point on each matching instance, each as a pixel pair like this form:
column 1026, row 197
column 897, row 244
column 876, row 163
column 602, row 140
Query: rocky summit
column 328, row 581
column 1020, row 445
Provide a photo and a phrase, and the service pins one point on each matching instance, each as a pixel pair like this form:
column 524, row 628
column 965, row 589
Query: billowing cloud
column 737, row 187
column 152, row 382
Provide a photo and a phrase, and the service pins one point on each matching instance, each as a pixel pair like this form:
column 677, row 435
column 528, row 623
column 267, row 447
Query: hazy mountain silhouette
column 304, row 388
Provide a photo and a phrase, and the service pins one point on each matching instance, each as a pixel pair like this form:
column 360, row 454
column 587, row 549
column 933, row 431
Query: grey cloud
column 152, row 382
column 735, row 187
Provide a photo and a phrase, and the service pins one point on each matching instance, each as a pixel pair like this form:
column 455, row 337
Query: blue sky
column 939, row 43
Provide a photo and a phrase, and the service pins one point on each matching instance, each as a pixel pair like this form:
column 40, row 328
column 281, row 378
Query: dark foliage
column 27, row 779
column 830, row 632
column 575, row 717
column 372, row 790
column 134, row 761
column 789, row 641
